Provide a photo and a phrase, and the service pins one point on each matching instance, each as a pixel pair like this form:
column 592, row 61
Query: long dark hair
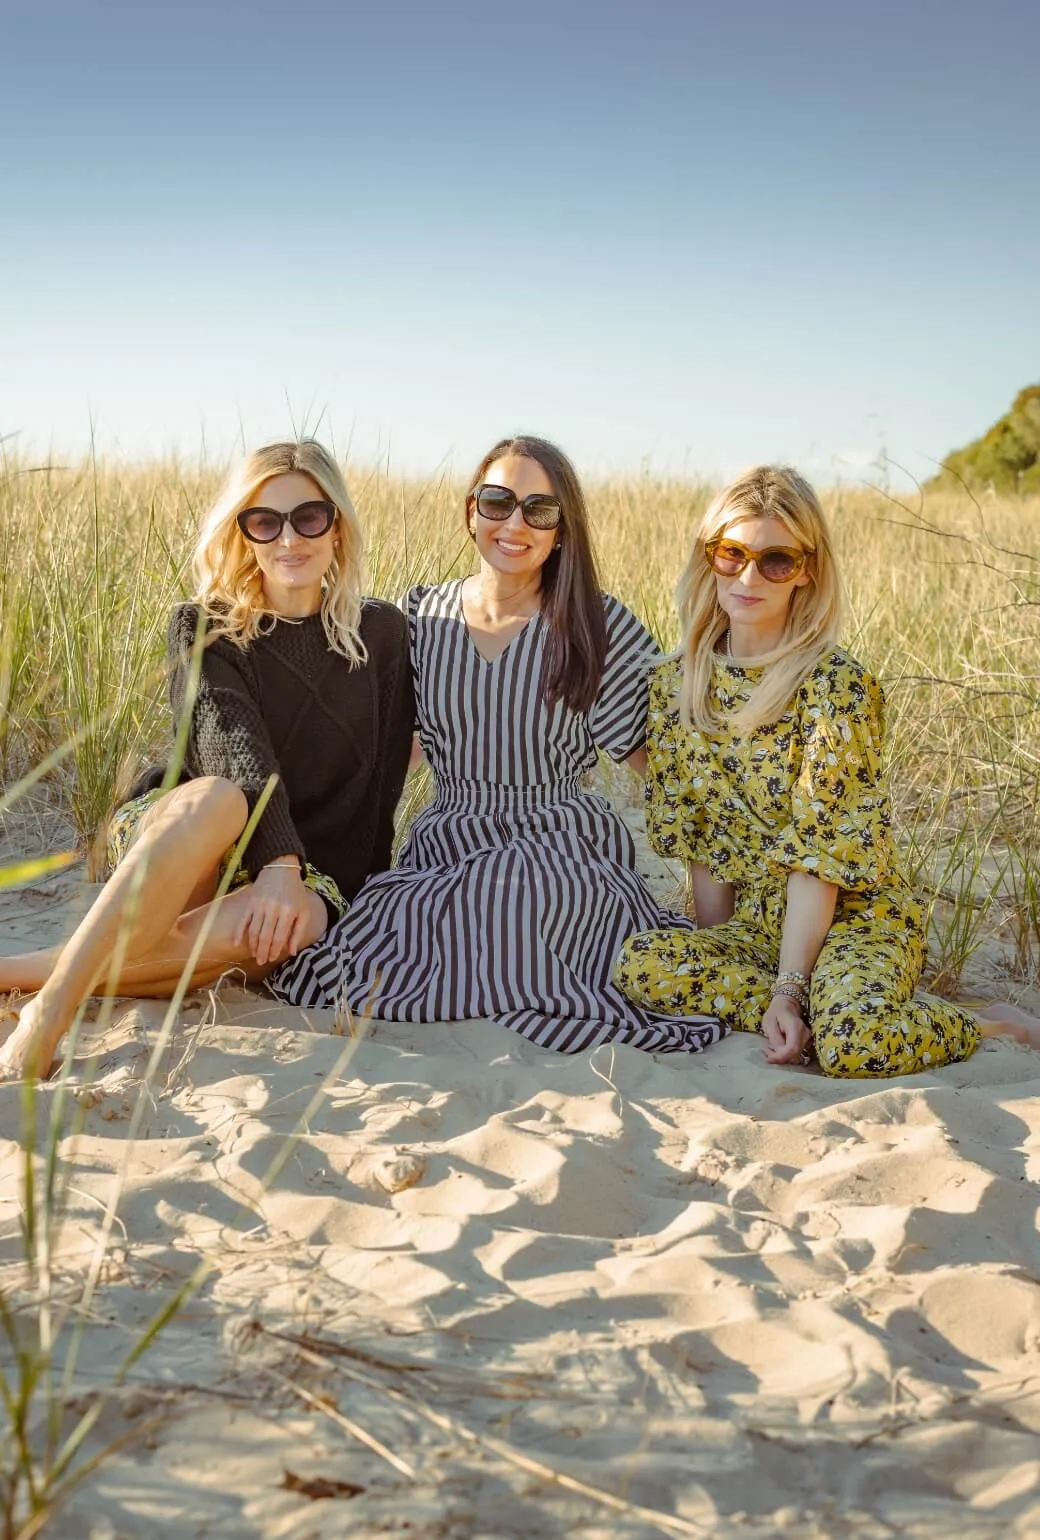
column 572, row 600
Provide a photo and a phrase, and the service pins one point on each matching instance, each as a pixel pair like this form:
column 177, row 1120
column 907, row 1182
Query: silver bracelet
column 792, row 976
column 283, row 866
column 793, row 992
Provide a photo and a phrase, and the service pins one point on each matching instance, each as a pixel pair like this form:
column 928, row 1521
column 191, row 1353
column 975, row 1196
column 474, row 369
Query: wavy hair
column 572, row 600
column 228, row 580
column 814, row 617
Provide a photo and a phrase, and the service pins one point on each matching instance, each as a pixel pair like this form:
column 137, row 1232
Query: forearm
column 712, row 901
column 637, row 760
column 809, row 915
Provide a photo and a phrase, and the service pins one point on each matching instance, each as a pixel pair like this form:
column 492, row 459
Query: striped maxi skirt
column 509, row 903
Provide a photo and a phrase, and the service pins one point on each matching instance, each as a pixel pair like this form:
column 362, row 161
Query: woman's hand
column 272, row 923
column 787, row 1037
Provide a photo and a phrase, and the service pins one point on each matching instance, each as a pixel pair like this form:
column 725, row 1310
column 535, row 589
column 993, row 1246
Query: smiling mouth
column 511, row 548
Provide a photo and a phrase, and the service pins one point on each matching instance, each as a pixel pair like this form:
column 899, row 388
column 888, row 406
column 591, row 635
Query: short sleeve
column 617, row 717
column 840, row 823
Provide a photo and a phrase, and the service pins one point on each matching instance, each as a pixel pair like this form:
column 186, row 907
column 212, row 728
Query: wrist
column 290, row 863
column 793, row 985
column 788, row 1003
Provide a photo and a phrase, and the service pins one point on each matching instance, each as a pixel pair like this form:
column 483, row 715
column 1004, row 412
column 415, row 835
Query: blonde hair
column 229, row 584
column 814, row 618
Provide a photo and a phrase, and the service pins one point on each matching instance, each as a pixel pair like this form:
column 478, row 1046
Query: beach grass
column 944, row 605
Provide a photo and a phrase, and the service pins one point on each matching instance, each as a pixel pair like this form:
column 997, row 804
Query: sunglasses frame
column 288, row 518
column 518, row 502
column 799, row 554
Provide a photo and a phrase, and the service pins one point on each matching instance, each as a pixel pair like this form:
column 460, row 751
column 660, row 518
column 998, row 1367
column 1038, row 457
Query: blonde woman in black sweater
column 301, row 679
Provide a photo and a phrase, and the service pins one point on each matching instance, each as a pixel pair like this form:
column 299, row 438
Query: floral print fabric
column 806, row 793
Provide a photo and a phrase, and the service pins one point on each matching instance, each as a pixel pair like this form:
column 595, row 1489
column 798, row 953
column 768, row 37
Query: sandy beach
column 495, row 1292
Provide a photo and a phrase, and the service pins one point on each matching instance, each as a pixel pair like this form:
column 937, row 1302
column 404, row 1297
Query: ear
column 807, row 574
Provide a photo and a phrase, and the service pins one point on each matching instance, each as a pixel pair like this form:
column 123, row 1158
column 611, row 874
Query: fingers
column 787, row 1038
column 790, row 1051
column 297, row 935
column 273, row 930
column 254, row 929
column 283, row 921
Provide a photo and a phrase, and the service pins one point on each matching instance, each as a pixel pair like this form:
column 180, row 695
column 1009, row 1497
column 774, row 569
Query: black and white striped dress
column 517, row 886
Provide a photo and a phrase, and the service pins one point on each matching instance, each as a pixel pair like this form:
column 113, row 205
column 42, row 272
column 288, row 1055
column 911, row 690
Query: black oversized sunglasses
column 539, row 510
column 311, row 519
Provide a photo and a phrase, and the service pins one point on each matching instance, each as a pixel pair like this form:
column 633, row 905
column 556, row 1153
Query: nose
column 288, row 535
column 515, row 520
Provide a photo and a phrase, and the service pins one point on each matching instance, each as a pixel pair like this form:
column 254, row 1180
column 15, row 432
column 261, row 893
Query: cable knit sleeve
column 228, row 736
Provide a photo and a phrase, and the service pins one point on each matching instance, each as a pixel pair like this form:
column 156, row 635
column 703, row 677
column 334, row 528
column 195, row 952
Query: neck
column 746, row 642
column 502, row 596
column 293, row 603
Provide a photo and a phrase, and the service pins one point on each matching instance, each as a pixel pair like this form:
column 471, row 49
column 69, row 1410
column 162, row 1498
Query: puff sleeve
column 840, row 824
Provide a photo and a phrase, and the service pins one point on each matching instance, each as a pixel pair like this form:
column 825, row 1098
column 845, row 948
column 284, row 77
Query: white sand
column 752, row 1301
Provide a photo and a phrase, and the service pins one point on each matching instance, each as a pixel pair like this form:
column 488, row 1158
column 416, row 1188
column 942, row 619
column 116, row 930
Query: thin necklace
column 729, row 643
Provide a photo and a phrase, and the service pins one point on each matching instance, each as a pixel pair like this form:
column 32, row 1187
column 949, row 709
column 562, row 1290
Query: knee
column 630, row 966
column 849, row 1047
column 216, row 800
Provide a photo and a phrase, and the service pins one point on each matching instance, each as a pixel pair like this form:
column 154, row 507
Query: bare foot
column 30, row 1048
column 1000, row 1020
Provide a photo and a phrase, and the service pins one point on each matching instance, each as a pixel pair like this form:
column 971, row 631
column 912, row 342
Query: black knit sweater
column 337, row 737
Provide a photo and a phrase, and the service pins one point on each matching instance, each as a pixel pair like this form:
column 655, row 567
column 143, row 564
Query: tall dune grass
column 945, row 606
column 945, row 603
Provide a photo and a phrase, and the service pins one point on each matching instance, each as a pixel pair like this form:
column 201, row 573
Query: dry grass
column 945, row 605
column 945, row 597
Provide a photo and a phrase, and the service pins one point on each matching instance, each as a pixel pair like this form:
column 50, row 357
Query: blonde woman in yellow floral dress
column 765, row 744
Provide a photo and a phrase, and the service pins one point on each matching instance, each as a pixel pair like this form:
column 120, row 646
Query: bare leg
column 182, row 841
column 27, row 971
column 157, row 975
column 1000, row 1020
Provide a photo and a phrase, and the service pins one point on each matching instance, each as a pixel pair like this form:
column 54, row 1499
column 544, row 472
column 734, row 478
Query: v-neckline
column 490, row 662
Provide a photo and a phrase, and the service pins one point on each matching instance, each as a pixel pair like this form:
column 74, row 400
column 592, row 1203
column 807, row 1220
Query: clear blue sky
column 690, row 234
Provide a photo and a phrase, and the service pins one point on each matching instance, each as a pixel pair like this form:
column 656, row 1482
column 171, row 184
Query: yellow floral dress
column 806, row 793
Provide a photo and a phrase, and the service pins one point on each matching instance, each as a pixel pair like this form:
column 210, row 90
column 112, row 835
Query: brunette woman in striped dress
column 517, row 885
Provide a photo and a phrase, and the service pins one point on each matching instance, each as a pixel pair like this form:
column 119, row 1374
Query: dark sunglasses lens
column 541, row 512
column 260, row 524
column 727, row 559
column 495, row 502
column 778, row 566
column 313, row 519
